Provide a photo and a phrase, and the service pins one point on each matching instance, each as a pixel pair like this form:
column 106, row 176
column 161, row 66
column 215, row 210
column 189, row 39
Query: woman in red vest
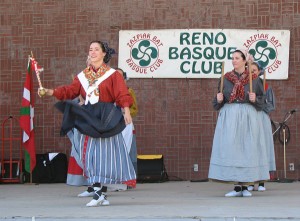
column 98, row 122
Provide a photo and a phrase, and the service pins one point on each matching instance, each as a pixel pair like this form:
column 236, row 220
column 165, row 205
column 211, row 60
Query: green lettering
column 194, row 71
column 182, row 68
column 209, row 67
column 173, row 53
column 195, row 37
column 184, row 37
column 185, row 52
column 208, row 53
column 218, row 51
column 197, row 53
column 230, row 52
column 217, row 67
column 210, row 38
column 220, row 38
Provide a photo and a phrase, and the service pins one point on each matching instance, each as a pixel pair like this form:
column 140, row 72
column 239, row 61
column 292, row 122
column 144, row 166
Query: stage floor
column 174, row 200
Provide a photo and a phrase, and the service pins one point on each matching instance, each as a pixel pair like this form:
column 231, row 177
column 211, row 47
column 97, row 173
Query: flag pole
column 222, row 78
column 264, row 80
column 29, row 57
column 30, row 179
column 250, row 75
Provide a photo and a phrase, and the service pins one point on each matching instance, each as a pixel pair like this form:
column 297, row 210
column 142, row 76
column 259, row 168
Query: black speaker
column 50, row 171
column 151, row 169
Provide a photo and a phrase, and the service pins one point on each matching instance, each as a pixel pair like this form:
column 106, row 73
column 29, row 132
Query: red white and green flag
column 26, row 119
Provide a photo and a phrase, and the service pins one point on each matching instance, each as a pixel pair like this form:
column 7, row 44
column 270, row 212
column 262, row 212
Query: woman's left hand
column 127, row 116
column 252, row 97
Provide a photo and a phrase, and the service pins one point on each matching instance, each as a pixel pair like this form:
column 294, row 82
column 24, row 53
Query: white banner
column 199, row 53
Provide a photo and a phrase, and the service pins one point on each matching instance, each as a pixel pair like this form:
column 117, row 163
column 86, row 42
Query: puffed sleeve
column 68, row 92
column 120, row 90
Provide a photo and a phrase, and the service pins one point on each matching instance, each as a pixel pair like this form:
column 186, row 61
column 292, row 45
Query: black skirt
column 97, row 120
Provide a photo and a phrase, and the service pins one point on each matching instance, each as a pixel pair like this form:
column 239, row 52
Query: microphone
column 293, row 111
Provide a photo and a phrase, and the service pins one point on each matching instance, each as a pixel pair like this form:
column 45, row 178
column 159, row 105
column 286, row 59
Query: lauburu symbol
column 144, row 53
column 263, row 53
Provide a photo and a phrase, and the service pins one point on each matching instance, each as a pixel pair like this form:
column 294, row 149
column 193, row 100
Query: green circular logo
column 145, row 53
column 263, row 51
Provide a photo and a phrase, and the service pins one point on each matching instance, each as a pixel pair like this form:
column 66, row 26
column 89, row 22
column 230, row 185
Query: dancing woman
column 98, row 122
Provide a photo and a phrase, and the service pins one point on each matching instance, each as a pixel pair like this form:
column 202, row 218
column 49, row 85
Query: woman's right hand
column 220, row 97
column 44, row 91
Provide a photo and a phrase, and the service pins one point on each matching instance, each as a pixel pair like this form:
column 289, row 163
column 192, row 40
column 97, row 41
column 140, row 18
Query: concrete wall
column 175, row 117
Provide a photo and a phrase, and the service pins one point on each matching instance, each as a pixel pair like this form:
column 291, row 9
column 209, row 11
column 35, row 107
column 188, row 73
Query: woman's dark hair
column 242, row 54
column 259, row 67
column 109, row 51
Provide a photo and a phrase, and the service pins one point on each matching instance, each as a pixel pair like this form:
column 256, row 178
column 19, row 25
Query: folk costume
column 98, row 124
column 239, row 154
column 75, row 172
column 267, row 130
column 132, row 137
column 265, row 118
column 130, row 140
column 75, row 175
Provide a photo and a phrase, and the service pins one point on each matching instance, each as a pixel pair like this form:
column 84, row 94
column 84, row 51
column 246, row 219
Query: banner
column 199, row 53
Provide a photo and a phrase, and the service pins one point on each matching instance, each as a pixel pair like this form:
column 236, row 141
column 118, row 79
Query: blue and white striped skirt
column 104, row 160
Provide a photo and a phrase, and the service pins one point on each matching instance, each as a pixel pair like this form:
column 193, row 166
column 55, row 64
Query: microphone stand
column 287, row 116
column 283, row 125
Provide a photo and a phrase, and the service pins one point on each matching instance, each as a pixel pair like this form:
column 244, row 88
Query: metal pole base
column 285, row 180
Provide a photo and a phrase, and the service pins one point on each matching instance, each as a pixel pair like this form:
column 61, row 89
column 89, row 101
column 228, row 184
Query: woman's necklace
column 92, row 75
